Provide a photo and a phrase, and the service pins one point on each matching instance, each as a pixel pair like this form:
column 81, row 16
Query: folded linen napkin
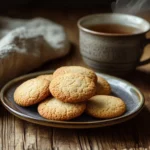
column 27, row 44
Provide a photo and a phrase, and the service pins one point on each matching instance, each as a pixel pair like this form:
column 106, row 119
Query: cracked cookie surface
column 54, row 109
column 31, row 92
column 75, row 69
column 46, row 76
column 72, row 88
column 102, row 87
column 102, row 106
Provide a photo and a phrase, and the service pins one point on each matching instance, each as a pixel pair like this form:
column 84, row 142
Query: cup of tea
column 113, row 43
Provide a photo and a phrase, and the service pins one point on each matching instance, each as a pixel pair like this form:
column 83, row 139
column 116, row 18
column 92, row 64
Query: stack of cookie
column 68, row 93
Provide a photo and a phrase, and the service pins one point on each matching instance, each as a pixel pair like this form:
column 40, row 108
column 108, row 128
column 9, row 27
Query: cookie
column 31, row 92
column 75, row 69
column 54, row 109
column 45, row 76
column 102, row 106
column 102, row 87
column 72, row 88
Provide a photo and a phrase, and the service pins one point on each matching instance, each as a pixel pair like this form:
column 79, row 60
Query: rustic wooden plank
column 7, row 133
column 19, row 134
column 1, row 126
column 65, row 139
column 84, row 140
column 10, row 132
column 44, row 138
column 30, row 136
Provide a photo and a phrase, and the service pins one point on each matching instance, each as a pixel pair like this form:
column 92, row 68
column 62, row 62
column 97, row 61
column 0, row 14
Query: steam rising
column 131, row 6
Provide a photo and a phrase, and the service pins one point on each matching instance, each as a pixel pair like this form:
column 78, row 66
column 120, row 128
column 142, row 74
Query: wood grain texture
column 17, row 134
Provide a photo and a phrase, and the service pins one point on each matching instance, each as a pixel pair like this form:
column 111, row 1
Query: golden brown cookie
column 46, row 76
column 72, row 88
column 31, row 92
column 54, row 109
column 76, row 69
column 103, row 106
column 102, row 87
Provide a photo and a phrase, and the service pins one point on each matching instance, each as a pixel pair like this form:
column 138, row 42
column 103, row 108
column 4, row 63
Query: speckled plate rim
column 66, row 124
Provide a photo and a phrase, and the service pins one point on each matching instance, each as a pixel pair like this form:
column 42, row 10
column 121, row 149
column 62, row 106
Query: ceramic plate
column 130, row 94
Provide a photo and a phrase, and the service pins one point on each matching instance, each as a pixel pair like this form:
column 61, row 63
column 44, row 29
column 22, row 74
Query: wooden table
column 17, row 134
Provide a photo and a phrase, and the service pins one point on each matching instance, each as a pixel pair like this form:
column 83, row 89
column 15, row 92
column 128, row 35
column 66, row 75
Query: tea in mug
column 114, row 29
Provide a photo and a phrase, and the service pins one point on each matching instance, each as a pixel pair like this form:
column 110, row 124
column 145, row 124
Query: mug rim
column 110, row 34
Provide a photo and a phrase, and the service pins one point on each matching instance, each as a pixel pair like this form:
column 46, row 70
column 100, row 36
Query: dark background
column 28, row 8
column 7, row 4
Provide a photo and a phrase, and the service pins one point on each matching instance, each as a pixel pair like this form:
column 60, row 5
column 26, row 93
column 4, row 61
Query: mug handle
column 144, row 62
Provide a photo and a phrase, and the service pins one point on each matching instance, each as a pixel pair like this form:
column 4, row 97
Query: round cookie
column 46, row 76
column 31, row 92
column 54, row 109
column 102, row 106
column 76, row 69
column 72, row 88
column 102, row 87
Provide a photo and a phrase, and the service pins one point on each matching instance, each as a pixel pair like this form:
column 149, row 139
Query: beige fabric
column 28, row 47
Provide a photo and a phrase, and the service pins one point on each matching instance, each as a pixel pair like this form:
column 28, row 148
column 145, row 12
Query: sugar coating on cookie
column 45, row 76
column 102, row 87
column 31, row 92
column 54, row 109
column 75, row 69
column 72, row 88
column 103, row 106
